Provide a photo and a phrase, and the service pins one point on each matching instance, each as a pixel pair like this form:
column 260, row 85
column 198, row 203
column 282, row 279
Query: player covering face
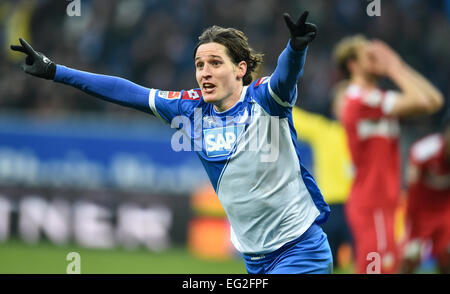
column 370, row 118
column 273, row 204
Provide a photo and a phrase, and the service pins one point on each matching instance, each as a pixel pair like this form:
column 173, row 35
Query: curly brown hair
column 237, row 46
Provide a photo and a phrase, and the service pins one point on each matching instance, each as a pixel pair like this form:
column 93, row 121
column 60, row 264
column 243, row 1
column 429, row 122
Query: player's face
column 218, row 77
column 366, row 61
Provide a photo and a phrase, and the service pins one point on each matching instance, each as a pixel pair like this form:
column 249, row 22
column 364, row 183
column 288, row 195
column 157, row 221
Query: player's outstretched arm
column 291, row 61
column 109, row 88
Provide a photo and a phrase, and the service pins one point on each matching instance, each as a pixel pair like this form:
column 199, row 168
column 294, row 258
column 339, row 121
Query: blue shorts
column 308, row 254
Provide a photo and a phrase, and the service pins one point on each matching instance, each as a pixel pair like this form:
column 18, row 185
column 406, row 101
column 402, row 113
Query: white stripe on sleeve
column 278, row 100
column 152, row 104
column 388, row 102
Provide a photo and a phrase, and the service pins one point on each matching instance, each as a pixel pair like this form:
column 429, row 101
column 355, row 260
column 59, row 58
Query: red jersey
column 431, row 190
column 373, row 139
column 428, row 209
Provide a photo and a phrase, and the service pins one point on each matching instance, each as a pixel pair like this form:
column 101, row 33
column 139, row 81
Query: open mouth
column 208, row 88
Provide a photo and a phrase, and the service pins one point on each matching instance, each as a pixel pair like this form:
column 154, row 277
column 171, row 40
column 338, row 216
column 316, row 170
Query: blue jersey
column 249, row 152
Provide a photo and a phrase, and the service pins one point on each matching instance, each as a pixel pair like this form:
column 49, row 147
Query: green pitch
column 17, row 257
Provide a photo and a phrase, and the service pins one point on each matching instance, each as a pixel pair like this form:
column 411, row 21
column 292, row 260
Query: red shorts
column 373, row 233
column 431, row 224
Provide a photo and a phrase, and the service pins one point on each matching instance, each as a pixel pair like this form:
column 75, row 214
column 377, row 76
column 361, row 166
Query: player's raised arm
column 109, row 88
column 291, row 61
column 418, row 95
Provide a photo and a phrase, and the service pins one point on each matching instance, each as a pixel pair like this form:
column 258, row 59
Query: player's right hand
column 384, row 59
column 36, row 63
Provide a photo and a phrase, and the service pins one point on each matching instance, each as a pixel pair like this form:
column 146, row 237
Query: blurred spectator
column 151, row 42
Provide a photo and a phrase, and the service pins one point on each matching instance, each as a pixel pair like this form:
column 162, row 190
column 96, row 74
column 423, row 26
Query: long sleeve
column 289, row 69
column 108, row 88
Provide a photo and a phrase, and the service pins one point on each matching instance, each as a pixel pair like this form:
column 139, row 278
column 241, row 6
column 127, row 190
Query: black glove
column 302, row 32
column 36, row 63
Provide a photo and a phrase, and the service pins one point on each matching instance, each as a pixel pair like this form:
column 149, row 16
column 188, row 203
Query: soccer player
column 428, row 200
column 272, row 202
column 370, row 118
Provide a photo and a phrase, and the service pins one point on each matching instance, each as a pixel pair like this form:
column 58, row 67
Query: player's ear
column 241, row 69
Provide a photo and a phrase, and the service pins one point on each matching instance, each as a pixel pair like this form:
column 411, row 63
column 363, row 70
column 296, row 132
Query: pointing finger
column 289, row 21
column 302, row 18
column 17, row 48
column 28, row 49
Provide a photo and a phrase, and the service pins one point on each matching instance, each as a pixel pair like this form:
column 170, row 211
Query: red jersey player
column 370, row 118
column 428, row 202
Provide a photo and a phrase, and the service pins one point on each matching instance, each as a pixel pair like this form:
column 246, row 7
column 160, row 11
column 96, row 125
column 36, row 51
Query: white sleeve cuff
column 279, row 101
column 152, row 104
column 388, row 101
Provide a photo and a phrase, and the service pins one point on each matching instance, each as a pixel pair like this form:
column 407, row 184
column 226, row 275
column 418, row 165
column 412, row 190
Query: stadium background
column 79, row 174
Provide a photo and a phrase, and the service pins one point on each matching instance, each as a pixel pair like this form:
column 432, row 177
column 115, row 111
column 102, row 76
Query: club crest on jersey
column 221, row 141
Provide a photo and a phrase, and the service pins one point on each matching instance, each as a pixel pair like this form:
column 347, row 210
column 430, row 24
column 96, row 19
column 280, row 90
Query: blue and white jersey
column 249, row 152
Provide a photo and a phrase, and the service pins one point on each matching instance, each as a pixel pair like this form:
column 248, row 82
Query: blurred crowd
column 151, row 42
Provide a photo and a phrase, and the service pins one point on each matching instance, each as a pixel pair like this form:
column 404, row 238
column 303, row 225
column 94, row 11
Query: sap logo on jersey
column 220, row 141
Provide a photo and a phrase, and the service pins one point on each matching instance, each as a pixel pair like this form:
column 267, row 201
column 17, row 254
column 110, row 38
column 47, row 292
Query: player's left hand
column 302, row 32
